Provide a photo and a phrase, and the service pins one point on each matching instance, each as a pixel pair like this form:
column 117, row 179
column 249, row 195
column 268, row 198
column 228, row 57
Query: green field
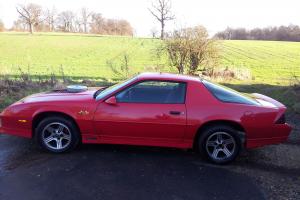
column 86, row 56
column 269, row 61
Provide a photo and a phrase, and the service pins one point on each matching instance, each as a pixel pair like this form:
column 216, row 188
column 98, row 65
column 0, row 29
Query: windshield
column 228, row 95
column 113, row 88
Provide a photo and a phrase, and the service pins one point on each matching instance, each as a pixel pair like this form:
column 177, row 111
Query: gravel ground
column 276, row 168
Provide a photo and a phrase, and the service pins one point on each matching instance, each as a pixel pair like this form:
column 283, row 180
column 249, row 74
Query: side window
column 163, row 92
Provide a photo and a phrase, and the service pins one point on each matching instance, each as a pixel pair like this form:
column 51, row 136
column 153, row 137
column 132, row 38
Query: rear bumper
column 281, row 133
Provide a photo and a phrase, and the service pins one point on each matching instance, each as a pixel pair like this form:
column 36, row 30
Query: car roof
column 167, row 76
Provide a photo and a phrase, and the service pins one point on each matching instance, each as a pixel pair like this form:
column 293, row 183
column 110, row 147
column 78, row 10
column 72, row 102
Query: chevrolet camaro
column 152, row 109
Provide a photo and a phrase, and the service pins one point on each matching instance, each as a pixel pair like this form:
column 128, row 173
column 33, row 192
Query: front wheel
column 57, row 134
column 220, row 144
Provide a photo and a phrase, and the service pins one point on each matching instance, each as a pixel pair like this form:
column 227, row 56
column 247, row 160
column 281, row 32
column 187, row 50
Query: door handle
column 175, row 112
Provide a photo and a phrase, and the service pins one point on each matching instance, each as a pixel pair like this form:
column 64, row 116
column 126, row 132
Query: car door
column 147, row 111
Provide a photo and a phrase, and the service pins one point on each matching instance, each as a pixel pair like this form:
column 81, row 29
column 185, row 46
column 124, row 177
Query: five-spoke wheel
column 57, row 134
column 220, row 143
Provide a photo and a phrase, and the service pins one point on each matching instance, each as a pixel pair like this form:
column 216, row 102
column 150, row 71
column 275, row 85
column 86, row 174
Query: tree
column 124, row 27
column 161, row 10
column 153, row 32
column 190, row 50
column 66, row 20
column 1, row 26
column 77, row 27
column 50, row 18
column 101, row 25
column 19, row 25
column 97, row 24
column 31, row 13
column 85, row 18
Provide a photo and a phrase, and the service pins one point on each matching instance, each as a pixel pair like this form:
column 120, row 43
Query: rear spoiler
column 276, row 104
column 269, row 100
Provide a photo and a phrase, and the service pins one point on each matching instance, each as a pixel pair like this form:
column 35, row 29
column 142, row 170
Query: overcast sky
column 215, row 15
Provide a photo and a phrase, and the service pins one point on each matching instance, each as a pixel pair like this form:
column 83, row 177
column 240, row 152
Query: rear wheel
column 220, row 144
column 57, row 134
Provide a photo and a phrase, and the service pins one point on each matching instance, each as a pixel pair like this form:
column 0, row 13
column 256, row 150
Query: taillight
column 281, row 119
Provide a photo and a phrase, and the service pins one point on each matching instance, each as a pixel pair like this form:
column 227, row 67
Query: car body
column 152, row 109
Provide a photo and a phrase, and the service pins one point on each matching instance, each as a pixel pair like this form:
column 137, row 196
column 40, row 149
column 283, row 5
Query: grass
column 86, row 56
column 82, row 56
column 271, row 64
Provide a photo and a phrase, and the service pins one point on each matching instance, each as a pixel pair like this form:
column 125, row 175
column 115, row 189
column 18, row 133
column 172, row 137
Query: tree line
column 281, row 33
column 32, row 17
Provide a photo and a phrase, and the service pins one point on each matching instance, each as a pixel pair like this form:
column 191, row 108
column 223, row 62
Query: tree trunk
column 162, row 33
column 85, row 28
column 31, row 28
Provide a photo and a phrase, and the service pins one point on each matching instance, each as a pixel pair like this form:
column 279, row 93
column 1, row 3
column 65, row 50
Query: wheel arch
column 237, row 126
column 42, row 115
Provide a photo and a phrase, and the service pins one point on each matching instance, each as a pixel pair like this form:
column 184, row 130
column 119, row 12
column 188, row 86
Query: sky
column 215, row 15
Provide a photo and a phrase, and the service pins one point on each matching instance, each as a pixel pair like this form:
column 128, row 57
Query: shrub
column 191, row 51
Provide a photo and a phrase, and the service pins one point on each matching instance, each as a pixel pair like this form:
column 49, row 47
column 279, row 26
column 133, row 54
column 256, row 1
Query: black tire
column 72, row 134
column 211, row 147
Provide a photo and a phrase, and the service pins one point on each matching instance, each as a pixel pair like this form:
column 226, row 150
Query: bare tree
column 153, row 32
column 78, row 25
column 19, row 25
column 161, row 10
column 85, row 18
column 50, row 18
column 101, row 25
column 31, row 13
column 66, row 21
column 97, row 24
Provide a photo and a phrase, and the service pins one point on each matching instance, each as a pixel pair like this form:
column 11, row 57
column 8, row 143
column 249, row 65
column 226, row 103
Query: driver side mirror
column 111, row 100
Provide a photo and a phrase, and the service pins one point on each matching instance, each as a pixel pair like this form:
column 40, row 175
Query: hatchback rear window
column 228, row 95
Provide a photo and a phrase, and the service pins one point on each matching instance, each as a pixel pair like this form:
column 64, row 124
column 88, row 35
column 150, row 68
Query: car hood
column 59, row 95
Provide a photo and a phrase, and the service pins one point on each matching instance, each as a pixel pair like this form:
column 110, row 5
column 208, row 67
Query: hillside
column 89, row 56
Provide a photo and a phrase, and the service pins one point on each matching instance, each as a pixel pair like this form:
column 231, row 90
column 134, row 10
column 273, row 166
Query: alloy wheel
column 56, row 136
column 220, row 145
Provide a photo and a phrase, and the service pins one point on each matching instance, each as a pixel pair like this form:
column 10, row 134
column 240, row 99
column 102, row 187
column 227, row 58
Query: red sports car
column 153, row 109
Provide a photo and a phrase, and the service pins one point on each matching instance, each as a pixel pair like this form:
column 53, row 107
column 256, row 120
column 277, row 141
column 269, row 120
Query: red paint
column 108, row 121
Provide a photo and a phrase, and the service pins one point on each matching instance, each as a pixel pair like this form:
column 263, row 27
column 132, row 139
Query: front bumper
column 12, row 126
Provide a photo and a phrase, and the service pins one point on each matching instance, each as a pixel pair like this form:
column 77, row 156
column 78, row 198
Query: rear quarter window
column 228, row 95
